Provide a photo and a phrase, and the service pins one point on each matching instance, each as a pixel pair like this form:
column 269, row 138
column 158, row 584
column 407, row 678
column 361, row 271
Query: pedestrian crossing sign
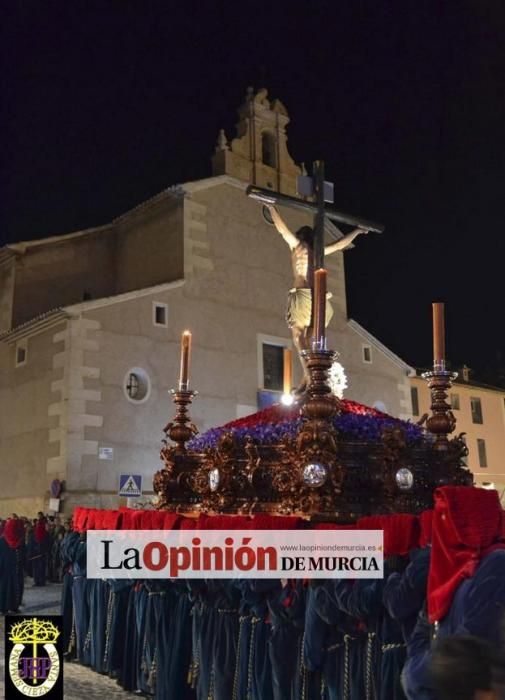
column 130, row 485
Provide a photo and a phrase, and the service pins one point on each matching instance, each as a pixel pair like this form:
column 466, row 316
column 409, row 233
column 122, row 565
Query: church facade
column 90, row 326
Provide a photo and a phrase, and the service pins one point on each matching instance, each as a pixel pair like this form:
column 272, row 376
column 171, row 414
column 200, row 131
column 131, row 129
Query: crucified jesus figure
column 299, row 307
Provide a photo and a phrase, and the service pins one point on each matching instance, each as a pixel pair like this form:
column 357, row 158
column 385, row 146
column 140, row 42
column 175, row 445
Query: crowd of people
column 31, row 548
column 431, row 629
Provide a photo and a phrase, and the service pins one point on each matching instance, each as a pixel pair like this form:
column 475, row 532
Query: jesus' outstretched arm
column 281, row 227
column 344, row 242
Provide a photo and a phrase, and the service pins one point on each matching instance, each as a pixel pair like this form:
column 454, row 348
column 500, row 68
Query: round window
column 137, row 385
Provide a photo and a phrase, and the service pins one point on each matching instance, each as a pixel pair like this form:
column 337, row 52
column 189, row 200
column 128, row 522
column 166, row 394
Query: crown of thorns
column 32, row 631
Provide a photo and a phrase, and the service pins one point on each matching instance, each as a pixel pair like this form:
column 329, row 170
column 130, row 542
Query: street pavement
column 80, row 683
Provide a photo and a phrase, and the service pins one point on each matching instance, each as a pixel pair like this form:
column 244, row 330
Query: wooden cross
column 317, row 208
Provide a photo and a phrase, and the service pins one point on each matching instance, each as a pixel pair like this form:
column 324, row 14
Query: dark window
column 476, row 410
column 273, row 367
column 160, row 315
column 414, row 394
column 481, row 446
column 268, row 149
column 367, row 353
column 20, row 355
column 455, row 402
column 464, row 459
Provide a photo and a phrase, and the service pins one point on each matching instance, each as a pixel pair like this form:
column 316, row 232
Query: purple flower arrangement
column 270, row 426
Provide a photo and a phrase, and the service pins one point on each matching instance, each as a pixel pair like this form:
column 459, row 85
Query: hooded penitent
column 79, row 519
column 91, row 519
column 467, row 525
column 127, row 519
column 14, row 532
column 139, row 521
column 40, row 531
column 112, row 520
column 401, row 532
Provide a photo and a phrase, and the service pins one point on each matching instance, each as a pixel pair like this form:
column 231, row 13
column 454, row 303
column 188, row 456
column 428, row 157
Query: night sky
column 106, row 103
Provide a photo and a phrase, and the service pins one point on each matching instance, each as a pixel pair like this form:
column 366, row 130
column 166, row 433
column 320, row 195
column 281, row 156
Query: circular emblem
column 404, row 479
column 34, row 662
column 314, row 474
column 214, row 479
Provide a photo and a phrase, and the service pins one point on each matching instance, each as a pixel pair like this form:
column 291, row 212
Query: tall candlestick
column 288, row 372
column 185, row 355
column 438, row 334
column 319, row 306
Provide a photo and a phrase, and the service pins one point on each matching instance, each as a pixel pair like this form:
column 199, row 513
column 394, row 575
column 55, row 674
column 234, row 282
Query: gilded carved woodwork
column 314, row 474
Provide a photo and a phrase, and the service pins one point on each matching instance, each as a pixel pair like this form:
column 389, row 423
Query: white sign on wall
column 105, row 453
column 54, row 505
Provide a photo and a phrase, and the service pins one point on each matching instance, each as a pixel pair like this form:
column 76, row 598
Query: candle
column 185, row 355
column 319, row 308
column 288, row 371
column 438, row 334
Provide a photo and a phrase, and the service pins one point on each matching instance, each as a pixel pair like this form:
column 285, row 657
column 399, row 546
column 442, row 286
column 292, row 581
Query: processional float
column 324, row 459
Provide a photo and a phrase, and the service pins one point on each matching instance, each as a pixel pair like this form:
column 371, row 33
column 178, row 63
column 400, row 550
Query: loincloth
column 299, row 308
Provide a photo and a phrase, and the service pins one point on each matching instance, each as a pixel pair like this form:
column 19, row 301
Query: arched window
column 268, row 149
